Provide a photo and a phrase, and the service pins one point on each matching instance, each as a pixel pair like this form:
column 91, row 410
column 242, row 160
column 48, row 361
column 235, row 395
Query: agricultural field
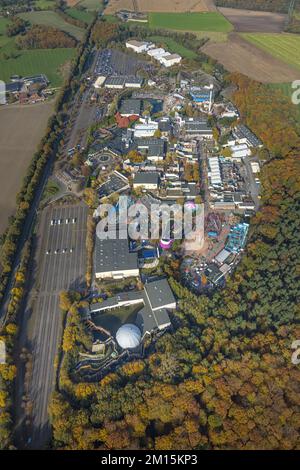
column 47, row 61
column 91, row 5
column 50, row 18
column 3, row 38
column 210, row 21
column 82, row 15
column 44, row 4
column 176, row 6
column 285, row 47
column 174, row 46
column 239, row 55
column 254, row 21
column 18, row 123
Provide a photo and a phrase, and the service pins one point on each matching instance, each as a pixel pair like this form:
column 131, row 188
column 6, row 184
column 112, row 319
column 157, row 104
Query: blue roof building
column 237, row 238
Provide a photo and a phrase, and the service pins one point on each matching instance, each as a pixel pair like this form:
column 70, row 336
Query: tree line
column 45, row 37
column 280, row 6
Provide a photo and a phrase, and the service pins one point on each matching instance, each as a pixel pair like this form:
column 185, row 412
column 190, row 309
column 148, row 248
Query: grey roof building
column 242, row 132
column 159, row 294
column 165, row 125
column 131, row 107
column 155, row 301
column 148, row 179
column 157, row 150
column 112, row 259
column 14, row 87
column 198, row 128
column 115, row 82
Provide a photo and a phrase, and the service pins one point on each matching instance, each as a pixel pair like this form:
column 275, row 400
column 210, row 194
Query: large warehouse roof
column 113, row 255
column 159, row 293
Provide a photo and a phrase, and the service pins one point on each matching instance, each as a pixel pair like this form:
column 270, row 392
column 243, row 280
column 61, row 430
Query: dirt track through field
column 21, row 130
column 175, row 6
column 237, row 55
column 254, row 21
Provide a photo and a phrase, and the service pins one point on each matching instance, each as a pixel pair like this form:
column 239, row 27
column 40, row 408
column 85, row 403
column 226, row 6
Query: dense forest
column 223, row 378
column 45, row 37
column 280, row 6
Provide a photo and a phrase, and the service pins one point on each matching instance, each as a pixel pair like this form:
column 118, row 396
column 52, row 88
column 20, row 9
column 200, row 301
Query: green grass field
column 111, row 19
column 282, row 46
column 3, row 38
column 210, row 21
column 44, row 4
column 50, row 18
column 3, row 23
column 82, row 15
column 92, row 5
column 47, row 61
column 174, row 46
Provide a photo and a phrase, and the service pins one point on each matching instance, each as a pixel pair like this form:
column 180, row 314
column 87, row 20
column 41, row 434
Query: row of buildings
column 158, row 53
column 118, row 82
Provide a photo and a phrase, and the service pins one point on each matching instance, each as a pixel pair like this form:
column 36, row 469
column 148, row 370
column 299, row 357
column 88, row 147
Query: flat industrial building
column 146, row 179
column 112, row 259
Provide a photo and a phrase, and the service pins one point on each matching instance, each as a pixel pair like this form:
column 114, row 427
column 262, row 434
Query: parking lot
column 61, row 265
column 114, row 62
column 63, row 248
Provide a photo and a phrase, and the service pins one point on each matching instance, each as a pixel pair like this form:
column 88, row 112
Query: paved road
column 42, row 317
column 253, row 187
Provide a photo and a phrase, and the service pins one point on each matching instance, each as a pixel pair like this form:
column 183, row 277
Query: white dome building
column 128, row 336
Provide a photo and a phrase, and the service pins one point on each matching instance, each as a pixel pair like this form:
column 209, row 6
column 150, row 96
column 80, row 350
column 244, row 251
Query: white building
column 157, row 52
column 255, row 167
column 99, row 82
column 215, row 172
column 145, row 129
column 168, row 60
column 240, row 151
column 133, row 82
column 137, row 46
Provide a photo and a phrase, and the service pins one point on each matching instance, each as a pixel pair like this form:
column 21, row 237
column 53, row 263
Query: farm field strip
column 86, row 16
column 50, row 18
column 91, row 5
column 250, row 21
column 178, row 6
column 285, row 47
column 210, row 21
column 21, row 130
column 240, row 55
